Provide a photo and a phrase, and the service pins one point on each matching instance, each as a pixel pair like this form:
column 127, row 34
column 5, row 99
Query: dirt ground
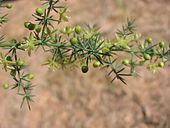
column 70, row 99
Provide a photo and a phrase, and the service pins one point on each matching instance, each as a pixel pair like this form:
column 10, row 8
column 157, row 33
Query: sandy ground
column 70, row 99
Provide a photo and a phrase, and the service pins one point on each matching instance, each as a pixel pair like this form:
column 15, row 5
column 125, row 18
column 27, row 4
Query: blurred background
column 70, row 99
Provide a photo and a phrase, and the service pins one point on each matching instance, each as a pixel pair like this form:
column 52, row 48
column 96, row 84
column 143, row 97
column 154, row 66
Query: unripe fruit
column 20, row 62
column 77, row 30
column 84, row 68
column 126, row 62
column 96, row 64
column 6, row 86
column 30, row 76
column 161, row 64
column 38, row 28
column 73, row 40
column 147, row 56
column 31, row 26
column 9, row 6
column 162, row 44
column 9, row 58
column 149, row 40
column 39, row 11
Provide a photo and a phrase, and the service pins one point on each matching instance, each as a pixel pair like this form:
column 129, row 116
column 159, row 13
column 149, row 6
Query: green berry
column 31, row 26
column 126, row 62
column 147, row 56
column 9, row 6
column 9, row 58
column 96, row 64
column 84, row 68
column 6, row 86
column 30, row 76
column 73, row 40
column 162, row 44
column 161, row 64
column 38, row 28
column 77, row 30
column 20, row 62
column 149, row 40
column 39, row 11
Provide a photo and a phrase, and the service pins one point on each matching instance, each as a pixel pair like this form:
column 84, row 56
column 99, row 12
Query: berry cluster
column 77, row 45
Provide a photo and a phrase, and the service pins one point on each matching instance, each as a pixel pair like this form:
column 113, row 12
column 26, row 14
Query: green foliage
column 77, row 45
